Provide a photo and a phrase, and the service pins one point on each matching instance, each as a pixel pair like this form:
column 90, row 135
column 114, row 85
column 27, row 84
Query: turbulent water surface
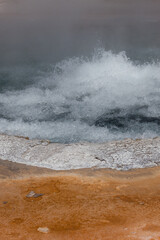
column 99, row 99
column 57, row 83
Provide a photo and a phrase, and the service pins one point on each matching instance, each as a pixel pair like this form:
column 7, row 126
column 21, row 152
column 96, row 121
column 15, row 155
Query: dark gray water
column 80, row 70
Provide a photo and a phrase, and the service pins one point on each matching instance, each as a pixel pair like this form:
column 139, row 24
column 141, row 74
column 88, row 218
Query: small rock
column 43, row 229
column 46, row 143
column 36, row 195
column 5, row 202
column 32, row 194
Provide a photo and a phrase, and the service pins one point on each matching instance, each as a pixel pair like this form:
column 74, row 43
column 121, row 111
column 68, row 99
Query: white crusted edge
column 121, row 155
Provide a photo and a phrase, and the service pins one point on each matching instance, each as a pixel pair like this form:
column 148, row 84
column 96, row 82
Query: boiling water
column 80, row 70
column 101, row 98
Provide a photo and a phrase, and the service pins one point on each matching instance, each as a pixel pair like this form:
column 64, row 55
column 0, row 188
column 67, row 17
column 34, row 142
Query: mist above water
column 42, row 31
column 80, row 70
column 99, row 99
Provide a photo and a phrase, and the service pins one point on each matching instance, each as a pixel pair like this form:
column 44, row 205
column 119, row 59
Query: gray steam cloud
column 50, row 30
column 47, row 90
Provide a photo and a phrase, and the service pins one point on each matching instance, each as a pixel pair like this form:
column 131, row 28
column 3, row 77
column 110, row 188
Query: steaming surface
column 48, row 91
column 95, row 99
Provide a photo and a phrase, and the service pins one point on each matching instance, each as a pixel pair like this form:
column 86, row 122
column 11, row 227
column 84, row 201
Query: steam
column 48, row 91
column 43, row 31
column 99, row 99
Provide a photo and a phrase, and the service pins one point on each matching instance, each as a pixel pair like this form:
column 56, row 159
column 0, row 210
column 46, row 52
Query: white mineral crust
column 122, row 155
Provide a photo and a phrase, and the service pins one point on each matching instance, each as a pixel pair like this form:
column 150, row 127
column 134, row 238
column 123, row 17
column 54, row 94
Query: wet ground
column 81, row 204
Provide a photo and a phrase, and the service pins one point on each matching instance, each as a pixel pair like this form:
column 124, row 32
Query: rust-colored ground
column 81, row 205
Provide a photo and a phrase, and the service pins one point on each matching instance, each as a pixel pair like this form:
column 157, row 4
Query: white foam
column 64, row 104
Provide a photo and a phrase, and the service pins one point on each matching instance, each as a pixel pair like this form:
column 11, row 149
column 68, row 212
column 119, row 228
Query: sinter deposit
column 121, row 155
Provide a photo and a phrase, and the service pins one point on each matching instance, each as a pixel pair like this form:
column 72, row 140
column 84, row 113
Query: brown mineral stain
column 81, row 205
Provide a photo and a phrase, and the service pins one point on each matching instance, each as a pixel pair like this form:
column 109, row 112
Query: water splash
column 102, row 98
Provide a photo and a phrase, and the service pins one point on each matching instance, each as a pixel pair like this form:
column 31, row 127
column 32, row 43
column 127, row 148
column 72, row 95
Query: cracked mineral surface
column 121, row 155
